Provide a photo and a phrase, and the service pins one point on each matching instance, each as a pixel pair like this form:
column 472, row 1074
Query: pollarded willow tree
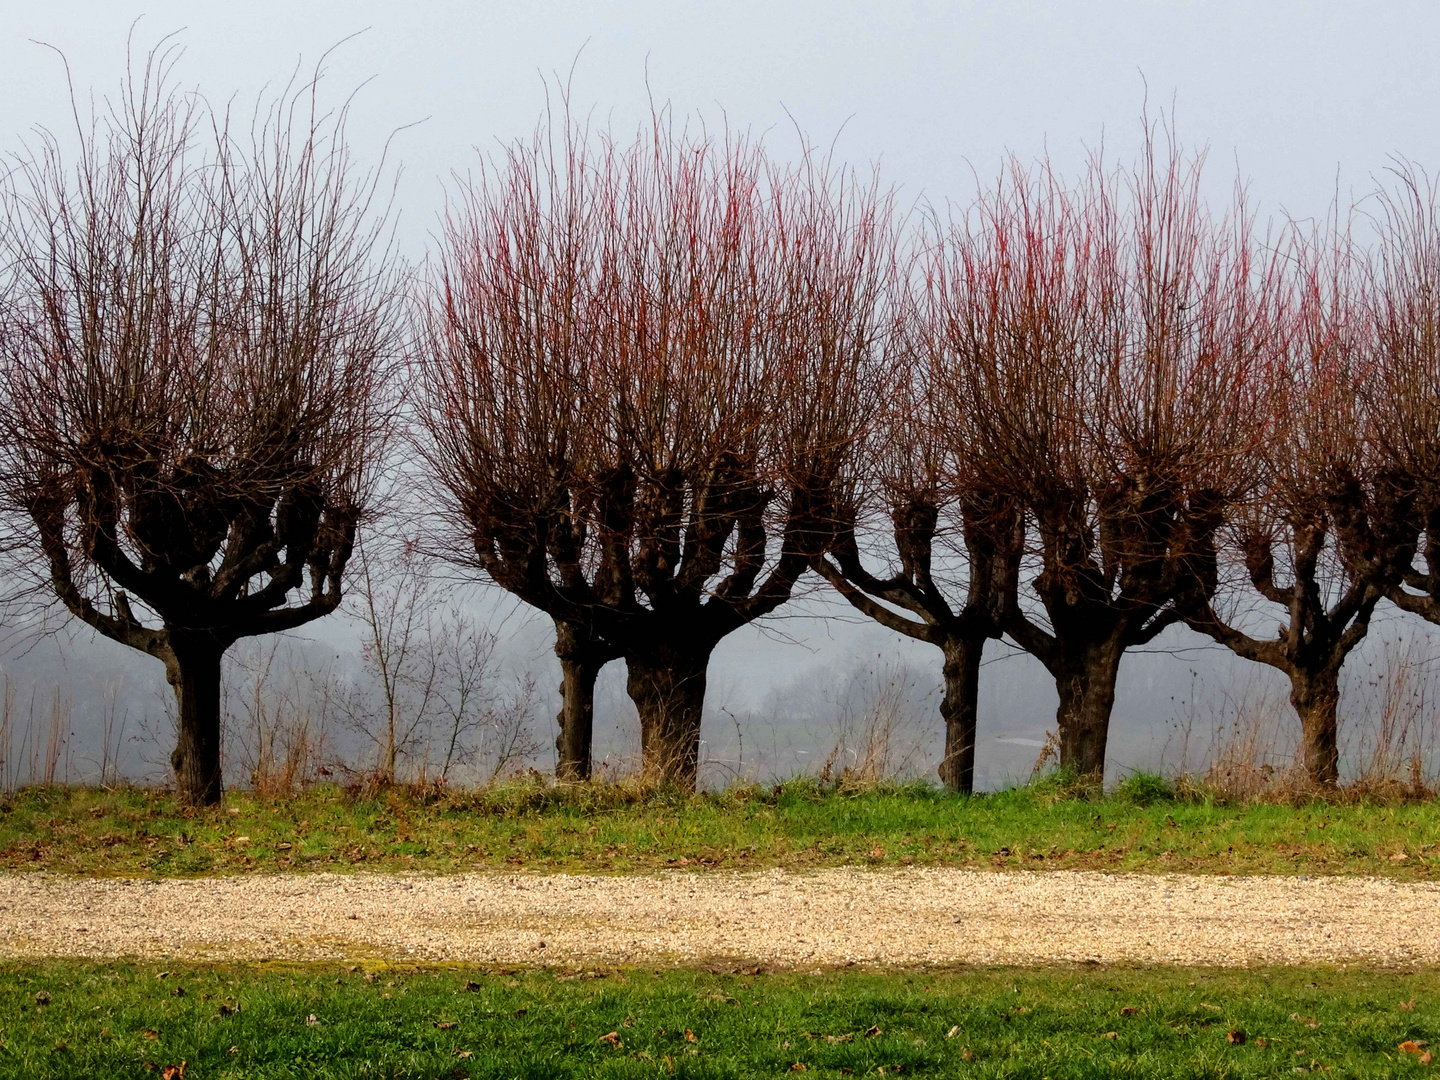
column 955, row 540
column 645, row 369
column 507, row 356
column 193, row 379
column 1402, row 302
column 1099, row 342
column 1328, row 528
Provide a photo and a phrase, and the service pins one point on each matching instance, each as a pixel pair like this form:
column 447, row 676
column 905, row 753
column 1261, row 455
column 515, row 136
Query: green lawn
column 129, row 1021
column 615, row 829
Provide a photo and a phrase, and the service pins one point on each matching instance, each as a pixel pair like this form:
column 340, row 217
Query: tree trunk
column 194, row 672
column 959, row 710
column 1315, row 697
column 579, row 667
column 668, row 689
column 1087, row 696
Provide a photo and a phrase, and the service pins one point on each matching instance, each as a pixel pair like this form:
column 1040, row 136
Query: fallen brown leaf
column 690, row 1036
column 611, row 1037
column 173, row 1072
column 312, row 1020
column 1426, row 1058
column 1129, row 1010
column 1262, row 1042
column 1235, row 1038
column 462, row 1053
column 1412, row 1046
column 446, row 1025
column 151, row 1034
column 872, row 1031
column 953, row 1032
column 799, row 1066
column 1408, row 1006
column 967, row 1054
column 1212, row 1008
column 1111, row 1035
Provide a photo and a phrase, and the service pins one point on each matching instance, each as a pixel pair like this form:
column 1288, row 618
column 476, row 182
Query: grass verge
column 798, row 825
column 64, row 1019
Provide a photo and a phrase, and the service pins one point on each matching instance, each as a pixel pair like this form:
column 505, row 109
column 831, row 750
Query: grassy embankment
column 130, row 1021
column 620, row 829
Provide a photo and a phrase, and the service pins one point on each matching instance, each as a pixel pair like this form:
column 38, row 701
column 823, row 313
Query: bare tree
column 197, row 339
column 1329, row 526
column 1095, row 357
column 426, row 688
column 643, row 364
column 398, row 656
column 951, row 535
column 1403, row 403
column 506, row 358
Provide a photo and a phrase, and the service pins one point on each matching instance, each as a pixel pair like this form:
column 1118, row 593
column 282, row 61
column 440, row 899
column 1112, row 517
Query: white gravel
column 830, row 917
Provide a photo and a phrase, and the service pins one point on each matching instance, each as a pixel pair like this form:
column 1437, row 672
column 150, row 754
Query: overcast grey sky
column 1299, row 97
column 1291, row 91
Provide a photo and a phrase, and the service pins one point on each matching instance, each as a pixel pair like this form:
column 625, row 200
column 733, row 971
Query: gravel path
column 832, row 917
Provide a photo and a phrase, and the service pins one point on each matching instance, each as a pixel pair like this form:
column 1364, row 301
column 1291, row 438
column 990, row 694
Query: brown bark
column 1087, row 695
column 193, row 671
column 668, row 688
column 1315, row 697
column 960, row 709
column 581, row 659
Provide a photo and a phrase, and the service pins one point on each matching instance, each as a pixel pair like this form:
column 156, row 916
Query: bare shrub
column 278, row 715
column 1248, row 738
column 9, row 766
column 879, row 734
column 427, row 693
column 1249, row 742
column 1392, row 748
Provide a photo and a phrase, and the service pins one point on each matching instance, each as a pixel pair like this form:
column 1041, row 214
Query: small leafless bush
column 1393, row 736
column 9, row 766
column 427, row 694
column 278, row 714
column 879, row 736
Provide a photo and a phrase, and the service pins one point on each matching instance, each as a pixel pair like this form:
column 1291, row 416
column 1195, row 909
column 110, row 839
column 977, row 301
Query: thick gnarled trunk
column 193, row 670
column 668, row 688
column 580, row 664
column 1087, row 695
column 959, row 709
column 1316, row 696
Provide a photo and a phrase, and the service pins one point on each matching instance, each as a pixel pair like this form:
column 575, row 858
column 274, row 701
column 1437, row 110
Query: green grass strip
column 65, row 1019
column 619, row 829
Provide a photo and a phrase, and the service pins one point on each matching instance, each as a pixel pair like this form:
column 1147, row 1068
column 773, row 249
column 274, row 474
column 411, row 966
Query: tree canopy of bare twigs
column 1403, row 398
column 644, row 368
column 1326, row 525
column 199, row 324
column 1093, row 348
column 938, row 511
